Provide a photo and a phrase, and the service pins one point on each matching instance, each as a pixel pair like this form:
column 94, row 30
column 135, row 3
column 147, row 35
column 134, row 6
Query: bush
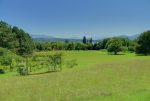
column 131, row 49
column 7, row 57
column 22, row 70
column 2, row 71
column 55, row 61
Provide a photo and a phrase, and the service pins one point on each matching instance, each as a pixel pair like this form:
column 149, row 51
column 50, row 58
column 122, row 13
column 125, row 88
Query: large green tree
column 114, row 45
column 15, row 39
column 143, row 41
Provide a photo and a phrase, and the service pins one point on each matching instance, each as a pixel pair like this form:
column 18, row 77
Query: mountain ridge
column 47, row 38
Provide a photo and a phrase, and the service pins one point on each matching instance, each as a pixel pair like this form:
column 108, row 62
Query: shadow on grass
column 116, row 54
column 43, row 72
column 142, row 55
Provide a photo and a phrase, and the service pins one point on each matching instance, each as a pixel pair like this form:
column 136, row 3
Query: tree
column 6, row 35
column 97, row 46
column 143, row 41
column 69, row 46
column 56, row 45
column 25, row 41
column 114, row 45
column 84, row 40
column 13, row 65
column 132, row 45
column 15, row 39
column 91, row 40
column 55, row 61
column 89, row 46
column 104, row 43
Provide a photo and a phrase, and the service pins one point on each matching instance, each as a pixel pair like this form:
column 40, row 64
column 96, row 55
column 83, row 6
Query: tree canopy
column 114, row 45
column 143, row 41
column 15, row 39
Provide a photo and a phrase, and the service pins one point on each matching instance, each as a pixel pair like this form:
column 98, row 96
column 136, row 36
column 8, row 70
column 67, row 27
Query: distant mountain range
column 133, row 37
column 46, row 38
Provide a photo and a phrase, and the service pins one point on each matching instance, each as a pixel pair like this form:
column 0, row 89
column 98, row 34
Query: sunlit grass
column 97, row 77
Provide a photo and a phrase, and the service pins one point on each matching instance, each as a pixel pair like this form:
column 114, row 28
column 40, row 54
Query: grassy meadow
column 96, row 77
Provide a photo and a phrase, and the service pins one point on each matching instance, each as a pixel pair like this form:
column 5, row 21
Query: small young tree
column 55, row 61
column 27, row 62
column 21, row 69
column 13, row 65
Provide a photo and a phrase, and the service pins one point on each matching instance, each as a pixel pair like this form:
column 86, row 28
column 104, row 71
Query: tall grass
column 97, row 77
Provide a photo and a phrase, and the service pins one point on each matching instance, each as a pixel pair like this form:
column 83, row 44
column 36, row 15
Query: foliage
column 104, row 43
column 84, row 40
column 13, row 65
column 22, row 70
column 143, row 41
column 55, row 61
column 2, row 71
column 69, row 46
column 114, row 45
column 56, row 46
column 7, row 57
column 45, row 46
column 15, row 39
column 97, row 46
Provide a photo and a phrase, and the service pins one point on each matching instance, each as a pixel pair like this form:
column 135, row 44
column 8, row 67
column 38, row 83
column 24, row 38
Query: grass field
column 97, row 77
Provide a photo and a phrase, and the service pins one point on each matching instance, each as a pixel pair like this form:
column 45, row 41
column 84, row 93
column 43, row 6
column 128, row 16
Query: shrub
column 7, row 57
column 55, row 61
column 22, row 70
column 13, row 64
column 2, row 71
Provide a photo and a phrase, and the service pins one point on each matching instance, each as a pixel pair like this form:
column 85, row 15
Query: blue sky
column 76, row 18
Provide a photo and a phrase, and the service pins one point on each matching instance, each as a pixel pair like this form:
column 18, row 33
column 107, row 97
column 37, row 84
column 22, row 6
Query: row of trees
column 20, row 42
column 113, row 45
column 45, row 46
column 86, row 45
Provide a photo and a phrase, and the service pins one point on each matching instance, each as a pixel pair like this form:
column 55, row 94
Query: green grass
column 97, row 77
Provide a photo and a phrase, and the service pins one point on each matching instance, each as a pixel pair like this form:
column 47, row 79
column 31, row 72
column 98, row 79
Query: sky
column 78, row 18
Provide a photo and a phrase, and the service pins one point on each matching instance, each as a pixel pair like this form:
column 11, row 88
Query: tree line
column 20, row 42
column 87, row 44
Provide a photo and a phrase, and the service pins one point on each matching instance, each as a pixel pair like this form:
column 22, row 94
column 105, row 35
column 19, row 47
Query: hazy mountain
column 46, row 38
column 55, row 39
column 41, row 36
column 133, row 37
